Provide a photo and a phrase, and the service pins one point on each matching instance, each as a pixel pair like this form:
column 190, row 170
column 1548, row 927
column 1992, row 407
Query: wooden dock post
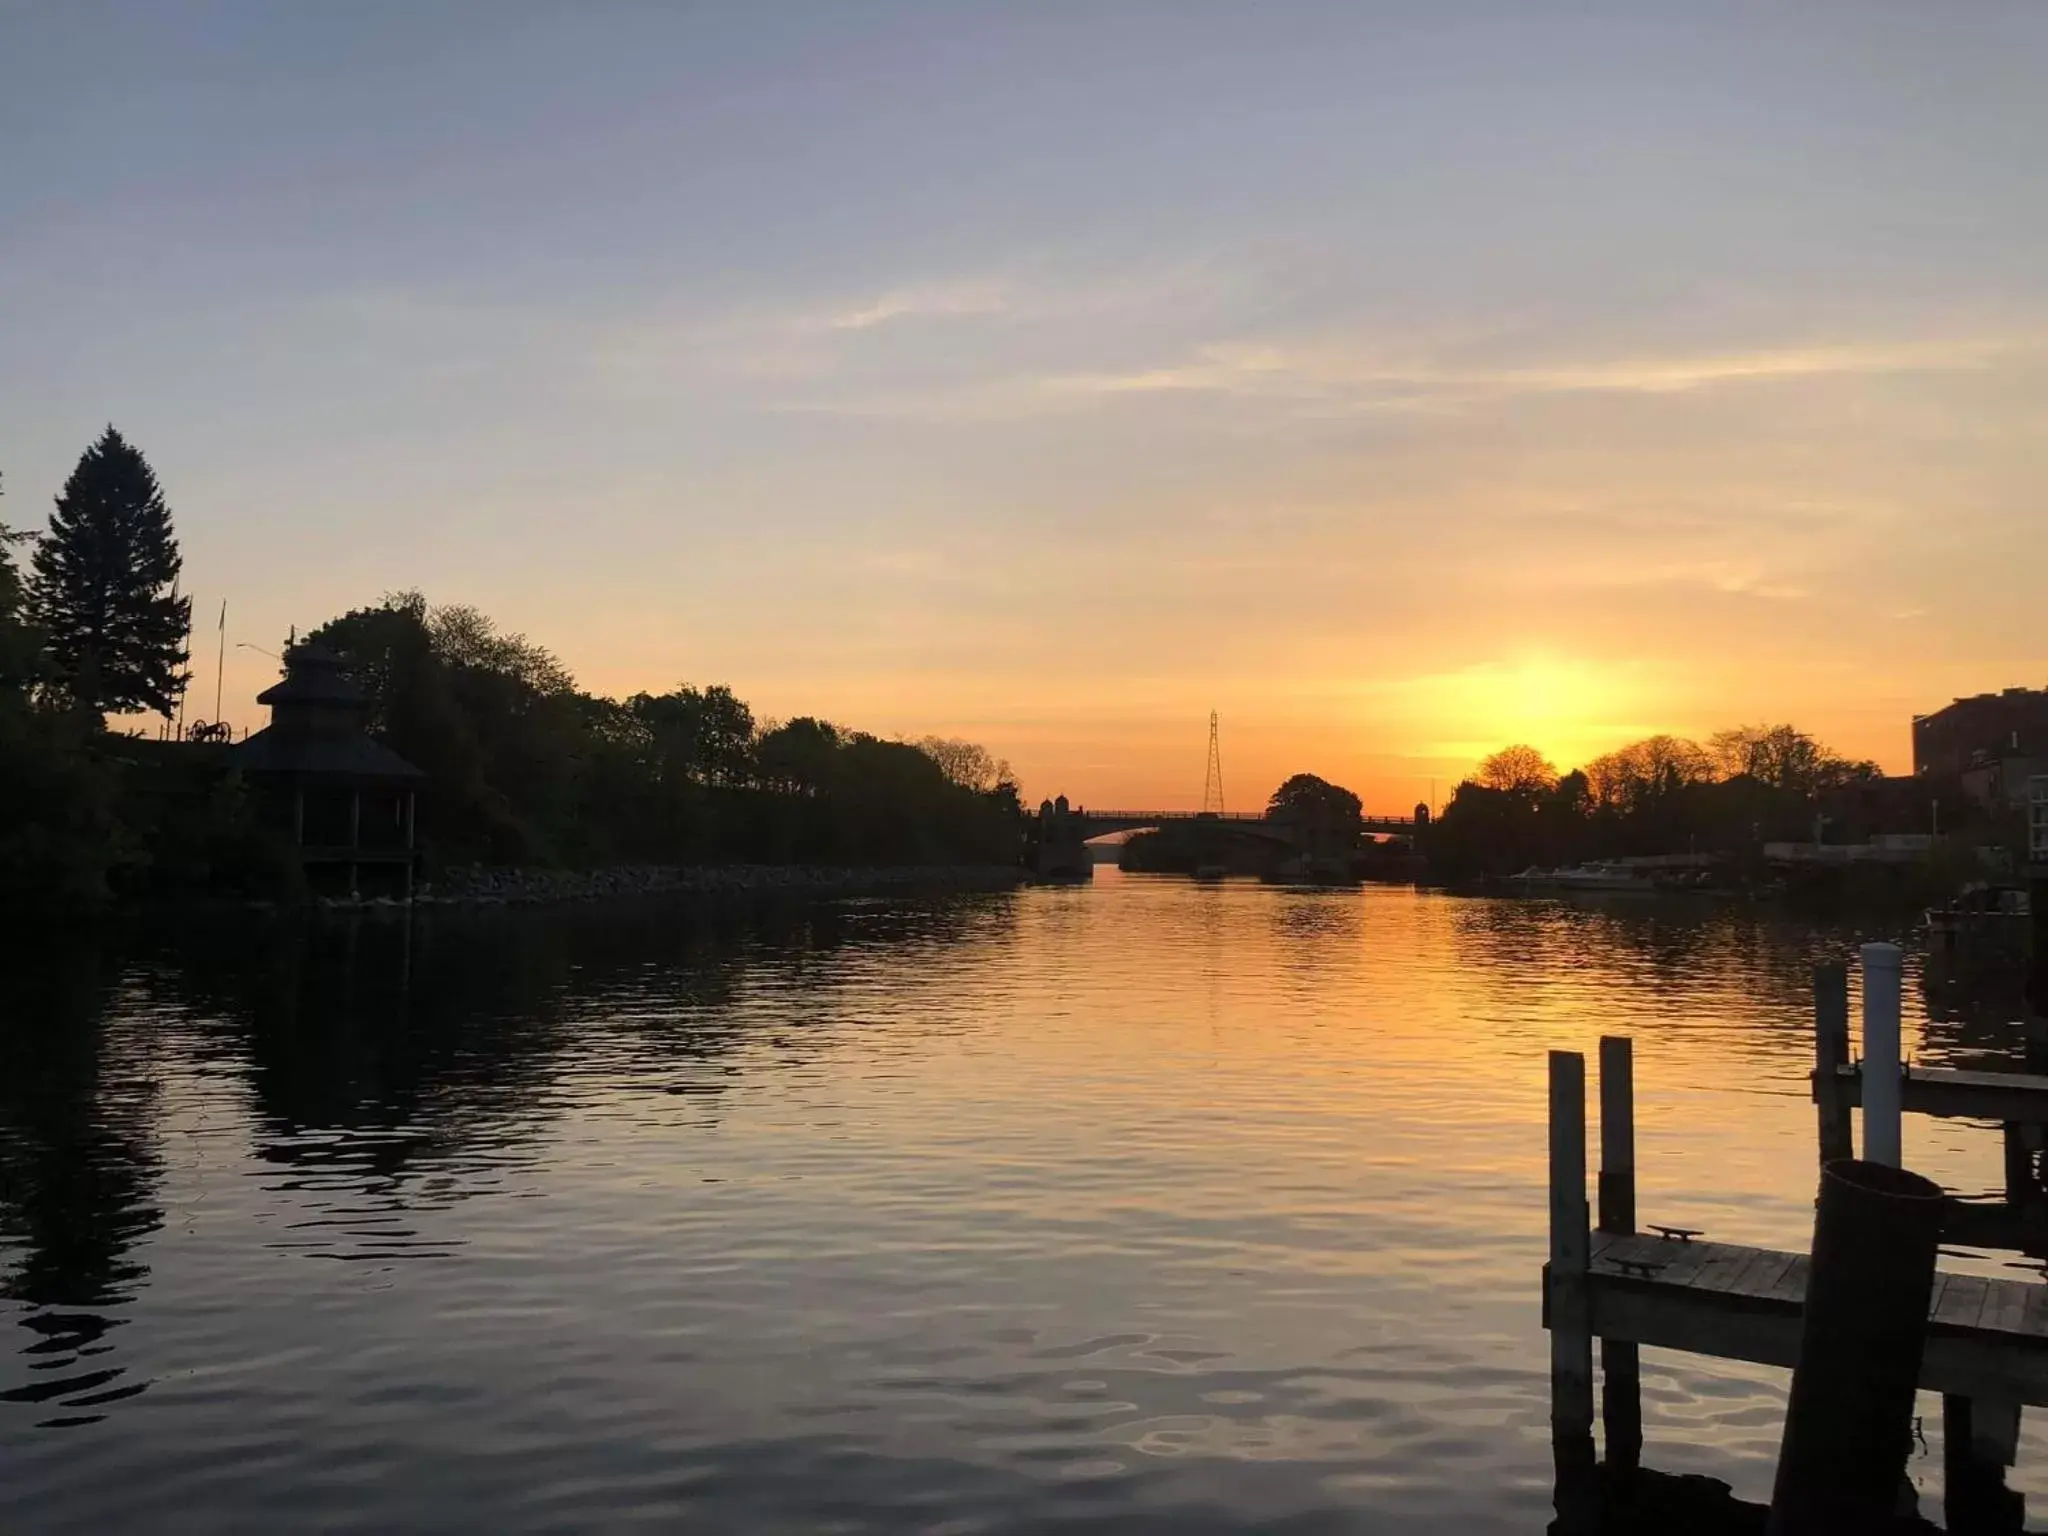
column 2036, row 1016
column 2020, row 1185
column 1617, row 1134
column 1881, row 1055
column 1863, row 1330
column 1980, row 1436
column 1565, row 1295
column 1830, row 1055
column 1979, row 1440
column 1621, row 1378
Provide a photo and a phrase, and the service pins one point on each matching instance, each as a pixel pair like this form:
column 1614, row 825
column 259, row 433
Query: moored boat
column 1982, row 914
column 1586, row 877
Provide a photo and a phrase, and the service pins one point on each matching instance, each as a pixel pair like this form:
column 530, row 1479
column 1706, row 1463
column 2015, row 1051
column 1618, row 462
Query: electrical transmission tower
column 1212, row 783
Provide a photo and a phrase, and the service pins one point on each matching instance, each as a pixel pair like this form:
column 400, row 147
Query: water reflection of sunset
column 1225, row 1198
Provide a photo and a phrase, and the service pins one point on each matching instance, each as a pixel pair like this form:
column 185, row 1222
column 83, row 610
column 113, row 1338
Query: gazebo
column 346, row 798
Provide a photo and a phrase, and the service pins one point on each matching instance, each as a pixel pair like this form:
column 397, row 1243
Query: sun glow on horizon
column 1568, row 708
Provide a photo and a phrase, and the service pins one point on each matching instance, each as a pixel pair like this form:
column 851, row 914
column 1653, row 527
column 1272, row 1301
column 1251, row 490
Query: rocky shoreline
column 480, row 886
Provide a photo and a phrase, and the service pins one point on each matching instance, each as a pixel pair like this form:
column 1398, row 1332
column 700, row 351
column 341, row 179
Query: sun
column 1567, row 708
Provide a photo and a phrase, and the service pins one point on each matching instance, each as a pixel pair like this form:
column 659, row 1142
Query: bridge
column 1060, row 833
column 1311, row 830
column 1280, row 828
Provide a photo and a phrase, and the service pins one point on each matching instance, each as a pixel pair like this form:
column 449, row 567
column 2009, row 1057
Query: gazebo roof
column 313, row 674
column 352, row 756
column 316, row 720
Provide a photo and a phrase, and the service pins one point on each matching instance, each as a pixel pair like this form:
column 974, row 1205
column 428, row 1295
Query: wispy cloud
column 1045, row 338
column 1366, row 375
column 938, row 301
column 1333, row 380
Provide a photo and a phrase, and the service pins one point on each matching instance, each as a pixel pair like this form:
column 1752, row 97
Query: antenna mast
column 1212, row 783
column 220, row 666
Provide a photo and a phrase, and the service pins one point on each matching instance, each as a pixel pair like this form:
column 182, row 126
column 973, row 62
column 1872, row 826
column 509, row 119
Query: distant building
column 1863, row 808
column 1886, row 848
column 1988, row 728
column 1997, row 783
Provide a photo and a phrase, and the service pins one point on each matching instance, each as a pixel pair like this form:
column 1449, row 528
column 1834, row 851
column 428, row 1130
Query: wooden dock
column 2016, row 1098
column 1987, row 1343
column 1985, row 1338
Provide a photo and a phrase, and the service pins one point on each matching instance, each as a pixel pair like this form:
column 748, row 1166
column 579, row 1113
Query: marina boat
column 1585, row 877
column 1981, row 915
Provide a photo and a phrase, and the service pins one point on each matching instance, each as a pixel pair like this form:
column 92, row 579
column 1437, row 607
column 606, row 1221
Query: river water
column 1143, row 1206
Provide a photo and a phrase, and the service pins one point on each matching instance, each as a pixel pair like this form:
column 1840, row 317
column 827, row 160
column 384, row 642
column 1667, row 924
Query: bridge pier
column 1059, row 843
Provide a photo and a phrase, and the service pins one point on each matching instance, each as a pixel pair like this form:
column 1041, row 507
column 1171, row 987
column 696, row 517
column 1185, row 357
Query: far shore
column 478, row 886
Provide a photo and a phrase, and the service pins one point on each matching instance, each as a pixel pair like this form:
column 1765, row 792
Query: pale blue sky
column 1393, row 378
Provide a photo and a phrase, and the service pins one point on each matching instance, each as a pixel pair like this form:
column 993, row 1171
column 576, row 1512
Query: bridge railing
column 1113, row 815
column 1089, row 813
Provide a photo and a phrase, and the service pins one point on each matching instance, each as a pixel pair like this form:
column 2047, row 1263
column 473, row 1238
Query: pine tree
column 17, row 640
column 105, row 586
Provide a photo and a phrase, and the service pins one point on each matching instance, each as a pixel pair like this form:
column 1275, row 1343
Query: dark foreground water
column 1151, row 1206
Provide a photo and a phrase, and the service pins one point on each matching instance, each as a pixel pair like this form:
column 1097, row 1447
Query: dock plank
column 2034, row 1324
column 1742, row 1275
column 1934, row 1296
column 1721, row 1267
column 1672, row 1261
column 1791, row 1285
column 1953, row 1093
column 2005, row 1308
column 1960, row 1303
column 1993, row 1223
column 1770, row 1275
column 1683, row 1259
column 1617, row 1248
column 1987, row 1338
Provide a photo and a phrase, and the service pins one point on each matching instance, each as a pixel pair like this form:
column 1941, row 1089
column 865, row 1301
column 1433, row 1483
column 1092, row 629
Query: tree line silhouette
column 527, row 768
column 523, row 766
column 1667, row 794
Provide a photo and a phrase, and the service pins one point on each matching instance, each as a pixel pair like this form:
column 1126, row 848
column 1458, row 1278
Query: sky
column 1398, row 381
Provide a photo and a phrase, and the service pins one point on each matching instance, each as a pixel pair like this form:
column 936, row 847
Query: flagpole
column 185, row 686
column 221, row 666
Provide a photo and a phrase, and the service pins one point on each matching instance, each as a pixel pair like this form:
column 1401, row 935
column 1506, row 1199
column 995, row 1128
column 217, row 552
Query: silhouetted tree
column 105, row 590
column 1633, row 778
column 1517, row 770
column 1570, row 798
column 463, row 637
column 967, row 763
column 1663, row 794
column 1784, row 757
column 704, row 737
column 57, row 832
column 523, row 767
column 1482, row 831
column 20, row 646
column 797, row 757
column 1305, row 794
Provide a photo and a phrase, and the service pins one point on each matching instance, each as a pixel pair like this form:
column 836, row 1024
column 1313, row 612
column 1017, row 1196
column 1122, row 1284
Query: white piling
column 1881, row 1057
